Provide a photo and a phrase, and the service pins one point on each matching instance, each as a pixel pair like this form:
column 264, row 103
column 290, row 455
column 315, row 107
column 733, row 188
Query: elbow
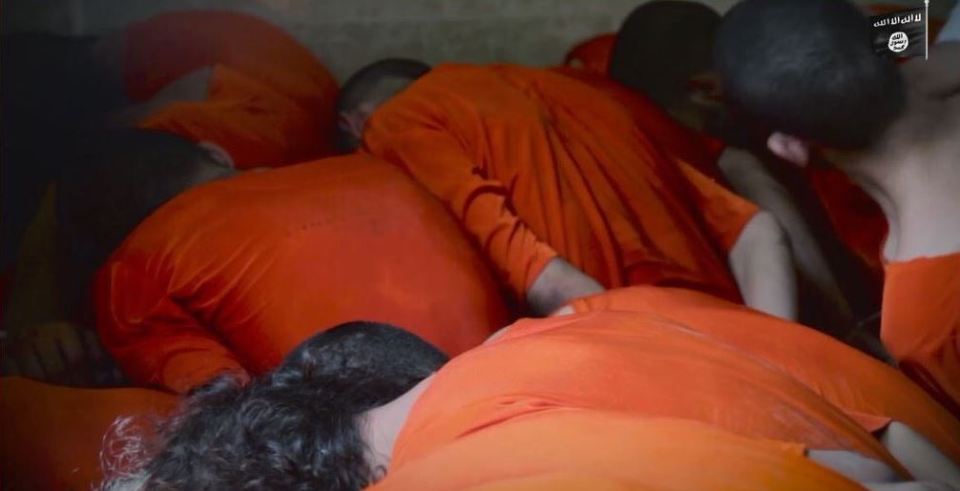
column 762, row 242
column 764, row 230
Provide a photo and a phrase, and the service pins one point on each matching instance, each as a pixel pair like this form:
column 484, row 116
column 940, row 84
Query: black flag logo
column 900, row 34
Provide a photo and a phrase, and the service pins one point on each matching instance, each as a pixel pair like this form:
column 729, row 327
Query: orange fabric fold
column 920, row 324
column 536, row 163
column 870, row 392
column 165, row 47
column 232, row 275
column 575, row 449
column 256, row 125
column 626, row 363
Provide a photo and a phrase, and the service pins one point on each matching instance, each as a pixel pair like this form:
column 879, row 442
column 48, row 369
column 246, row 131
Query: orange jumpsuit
column 255, row 125
column 234, row 274
column 51, row 437
column 537, row 164
column 920, row 324
column 262, row 69
column 869, row 391
column 627, row 363
column 575, row 449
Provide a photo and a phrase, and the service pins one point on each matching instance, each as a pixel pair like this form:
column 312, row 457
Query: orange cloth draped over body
column 234, row 274
column 693, row 148
column 920, row 323
column 537, row 164
column 51, row 437
column 255, row 125
column 869, row 391
column 576, row 449
column 627, row 363
column 165, row 47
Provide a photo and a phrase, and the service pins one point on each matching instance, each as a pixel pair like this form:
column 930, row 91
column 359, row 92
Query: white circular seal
column 898, row 42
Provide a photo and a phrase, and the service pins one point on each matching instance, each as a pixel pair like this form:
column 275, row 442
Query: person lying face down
column 190, row 275
column 560, row 188
column 364, row 401
column 227, row 77
column 893, row 129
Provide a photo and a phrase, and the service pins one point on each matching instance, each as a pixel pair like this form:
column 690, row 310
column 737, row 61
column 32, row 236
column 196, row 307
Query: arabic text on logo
column 898, row 42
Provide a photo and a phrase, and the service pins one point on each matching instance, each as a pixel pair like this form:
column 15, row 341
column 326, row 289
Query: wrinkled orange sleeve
column 437, row 160
column 920, row 324
column 153, row 339
column 724, row 213
column 695, row 148
column 254, row 124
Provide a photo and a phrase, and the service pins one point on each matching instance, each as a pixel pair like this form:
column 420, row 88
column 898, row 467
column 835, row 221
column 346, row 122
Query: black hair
column 110, row 184
column 368, row 84
column 660, row 45
column 115, row 181
column 297, row 428
column 807, row 68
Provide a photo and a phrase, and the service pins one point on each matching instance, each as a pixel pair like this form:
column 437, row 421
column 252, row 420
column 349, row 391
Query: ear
column 789, row 148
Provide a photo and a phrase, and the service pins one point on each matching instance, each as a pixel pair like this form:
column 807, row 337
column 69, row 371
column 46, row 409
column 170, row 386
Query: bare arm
column 749, row 178
column 761, row 265
column 919, row 456
column 939, row 76
column 559, row 283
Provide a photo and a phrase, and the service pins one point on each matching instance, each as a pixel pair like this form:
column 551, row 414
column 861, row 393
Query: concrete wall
column 347, row 34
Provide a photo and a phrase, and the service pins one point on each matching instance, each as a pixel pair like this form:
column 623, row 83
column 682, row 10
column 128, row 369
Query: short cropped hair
column 807, row 68
column 297, row 428
column 660, row 45
column 372, row 83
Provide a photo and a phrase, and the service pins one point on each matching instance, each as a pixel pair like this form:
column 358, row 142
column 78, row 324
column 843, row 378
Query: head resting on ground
column 366, row 90
column 118, row 179
column 300, row 427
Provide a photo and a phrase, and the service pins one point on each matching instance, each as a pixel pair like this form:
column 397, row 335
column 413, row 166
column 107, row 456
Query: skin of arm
column 761, row 265
column 558, row 284
column 919, row 456
column 749, row 178
column 938, row 76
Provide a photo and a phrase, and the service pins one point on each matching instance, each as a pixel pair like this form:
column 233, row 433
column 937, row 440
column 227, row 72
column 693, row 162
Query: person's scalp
column 806, row 67
column 374, row 80
column 660, row 45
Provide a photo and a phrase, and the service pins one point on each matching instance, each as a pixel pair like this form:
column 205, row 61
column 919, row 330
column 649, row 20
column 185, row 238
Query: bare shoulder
column 938, row 76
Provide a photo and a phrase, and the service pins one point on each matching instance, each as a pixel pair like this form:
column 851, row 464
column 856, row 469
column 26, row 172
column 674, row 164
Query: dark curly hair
column 297, row 428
